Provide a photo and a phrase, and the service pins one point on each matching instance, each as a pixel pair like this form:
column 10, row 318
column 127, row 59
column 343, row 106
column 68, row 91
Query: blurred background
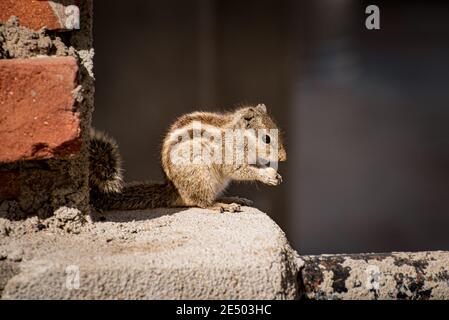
column 366, row 112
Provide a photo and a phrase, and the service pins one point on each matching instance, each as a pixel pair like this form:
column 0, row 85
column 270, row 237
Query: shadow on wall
column 365, row 112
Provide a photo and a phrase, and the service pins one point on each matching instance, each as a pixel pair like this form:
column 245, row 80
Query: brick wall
column 46, row 101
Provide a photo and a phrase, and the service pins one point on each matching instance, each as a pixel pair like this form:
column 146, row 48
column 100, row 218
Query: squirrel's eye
column 266, row 138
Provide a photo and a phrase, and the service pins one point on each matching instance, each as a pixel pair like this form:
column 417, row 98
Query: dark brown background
column 366, row 113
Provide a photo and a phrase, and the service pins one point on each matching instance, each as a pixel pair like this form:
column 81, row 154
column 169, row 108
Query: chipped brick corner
column 37, row 14
column 46, row 96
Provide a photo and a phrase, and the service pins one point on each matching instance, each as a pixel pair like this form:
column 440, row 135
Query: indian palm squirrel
column 191, row 183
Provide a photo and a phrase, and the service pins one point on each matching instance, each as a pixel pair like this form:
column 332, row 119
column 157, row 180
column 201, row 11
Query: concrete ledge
column 397, row 275
column 160, row 254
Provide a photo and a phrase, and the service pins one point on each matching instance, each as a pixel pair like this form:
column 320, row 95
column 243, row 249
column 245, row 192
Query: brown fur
column 199, row 185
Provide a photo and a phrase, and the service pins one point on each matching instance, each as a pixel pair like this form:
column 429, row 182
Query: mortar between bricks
column 40, row 187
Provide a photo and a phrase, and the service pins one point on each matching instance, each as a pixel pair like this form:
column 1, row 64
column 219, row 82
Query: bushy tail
column 109, row 192
column 137, row 196
column 105, row 163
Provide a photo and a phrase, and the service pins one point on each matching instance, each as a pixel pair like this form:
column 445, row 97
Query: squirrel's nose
column 282, row 155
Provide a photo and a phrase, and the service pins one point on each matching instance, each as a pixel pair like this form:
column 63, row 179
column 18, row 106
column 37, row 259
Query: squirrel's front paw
column 270, row 176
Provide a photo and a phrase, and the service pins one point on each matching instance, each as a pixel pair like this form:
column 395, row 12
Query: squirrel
column 191, row 184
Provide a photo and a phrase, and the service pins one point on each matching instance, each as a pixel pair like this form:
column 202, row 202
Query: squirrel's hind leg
column 225, row 207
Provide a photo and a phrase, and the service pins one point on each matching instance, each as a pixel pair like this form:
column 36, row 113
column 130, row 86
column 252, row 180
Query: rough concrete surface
column 397, row 275
column 159, row 254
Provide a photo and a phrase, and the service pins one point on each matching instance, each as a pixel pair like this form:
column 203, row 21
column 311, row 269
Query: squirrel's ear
column 247, row 116
column 261, row 107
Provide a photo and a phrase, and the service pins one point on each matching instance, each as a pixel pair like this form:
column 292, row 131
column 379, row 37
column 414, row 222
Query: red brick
column 38, row 118
column 36, row 14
